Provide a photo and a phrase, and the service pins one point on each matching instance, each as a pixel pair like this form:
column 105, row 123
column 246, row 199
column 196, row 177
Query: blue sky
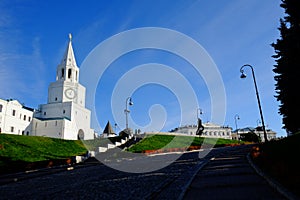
column 34, row 35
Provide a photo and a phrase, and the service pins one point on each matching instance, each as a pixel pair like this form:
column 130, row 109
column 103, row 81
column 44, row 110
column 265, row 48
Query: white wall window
column 13, row 112
column 24, row 118
column 12, row 129
column 1, row 107
column 29, row 119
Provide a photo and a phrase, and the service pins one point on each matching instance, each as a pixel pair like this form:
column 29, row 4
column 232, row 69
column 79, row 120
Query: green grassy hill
column 28, row 152
column 155, row 142
column 17, row 148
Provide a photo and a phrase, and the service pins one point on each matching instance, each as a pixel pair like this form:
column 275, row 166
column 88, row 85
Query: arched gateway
column 80, row 135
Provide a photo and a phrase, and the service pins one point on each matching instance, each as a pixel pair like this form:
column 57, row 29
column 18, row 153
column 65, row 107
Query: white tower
column 64, row 116
column 66, row 87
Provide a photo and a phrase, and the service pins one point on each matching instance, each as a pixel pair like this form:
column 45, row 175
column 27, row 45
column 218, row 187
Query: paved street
column 97, row 181
column 224, row 174
column 229, row 175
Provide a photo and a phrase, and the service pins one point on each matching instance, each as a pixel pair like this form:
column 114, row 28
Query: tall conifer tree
column 287, row 67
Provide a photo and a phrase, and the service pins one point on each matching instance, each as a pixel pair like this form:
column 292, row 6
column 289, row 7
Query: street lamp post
column 236, row 117
column 116, row 126
column 258, row 122
column 257, row 96
column 126, row 111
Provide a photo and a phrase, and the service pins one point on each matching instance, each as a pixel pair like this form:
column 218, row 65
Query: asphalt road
column 98, row 181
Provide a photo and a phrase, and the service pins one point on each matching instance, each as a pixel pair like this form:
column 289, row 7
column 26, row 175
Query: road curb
column 271, row 181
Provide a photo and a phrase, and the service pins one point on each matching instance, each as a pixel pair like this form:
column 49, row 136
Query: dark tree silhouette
column 250, row 137
column 287, row 67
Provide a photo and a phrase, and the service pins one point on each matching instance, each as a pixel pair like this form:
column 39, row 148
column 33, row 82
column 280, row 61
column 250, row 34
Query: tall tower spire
column 68, row 70
column 69, row 58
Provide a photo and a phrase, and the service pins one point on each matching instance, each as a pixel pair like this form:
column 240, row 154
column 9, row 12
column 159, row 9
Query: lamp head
column 130, row 102
column 243, row 75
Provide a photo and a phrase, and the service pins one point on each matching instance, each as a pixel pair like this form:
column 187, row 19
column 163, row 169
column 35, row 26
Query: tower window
column 12, row 129
column 24, row 118
column 62, row 73
column 29, row 119
column 45, row 113
column 69, row 73
column 14, row 113
column 55, row 98
column 1, row 108
column 76, row 77
column 64, row 111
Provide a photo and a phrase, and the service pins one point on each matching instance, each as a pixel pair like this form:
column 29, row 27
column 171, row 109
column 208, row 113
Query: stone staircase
column 113, row 148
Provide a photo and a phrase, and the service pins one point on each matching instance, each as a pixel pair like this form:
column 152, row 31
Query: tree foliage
column 287, row 67
column 250, row 137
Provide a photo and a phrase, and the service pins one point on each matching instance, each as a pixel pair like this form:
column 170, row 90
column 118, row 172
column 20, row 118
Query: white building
column 210, row 130
column 14, row 117
column 258, row 131
column 64, row 116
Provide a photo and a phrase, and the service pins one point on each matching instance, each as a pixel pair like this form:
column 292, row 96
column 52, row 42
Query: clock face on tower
column 70, row 93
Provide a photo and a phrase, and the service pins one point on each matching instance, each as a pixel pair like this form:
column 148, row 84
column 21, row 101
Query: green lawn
column 33, row 148
column 26, row 152
column 155, row 142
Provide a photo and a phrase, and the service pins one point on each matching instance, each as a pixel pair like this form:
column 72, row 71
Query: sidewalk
column 229, row 175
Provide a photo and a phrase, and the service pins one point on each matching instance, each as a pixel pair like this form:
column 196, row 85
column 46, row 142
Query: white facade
column 14, row 117
column 64, row 116
column 210, row 130
column 258, row 131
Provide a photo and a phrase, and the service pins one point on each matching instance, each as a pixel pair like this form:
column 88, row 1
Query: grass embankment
column 167, row 142
column 22, row 150
column 279, row 159
column 28, row 152
column 18, row 152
